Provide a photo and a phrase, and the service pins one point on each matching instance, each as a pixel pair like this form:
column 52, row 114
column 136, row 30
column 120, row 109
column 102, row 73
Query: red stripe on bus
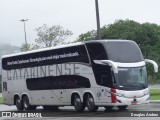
column 113, row 96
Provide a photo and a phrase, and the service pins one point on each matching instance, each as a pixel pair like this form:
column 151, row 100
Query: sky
column 76, row 15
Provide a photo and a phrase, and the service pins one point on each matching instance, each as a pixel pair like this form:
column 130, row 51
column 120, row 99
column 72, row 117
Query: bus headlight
column 146, row 92
column 117, row 94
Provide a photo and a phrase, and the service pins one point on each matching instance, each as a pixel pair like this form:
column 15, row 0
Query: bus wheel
column 78, row 105
column 18, row 103
column 90, row 103
column 123, row 107
column 50, row 107
column 108, row 107
column 26, row 104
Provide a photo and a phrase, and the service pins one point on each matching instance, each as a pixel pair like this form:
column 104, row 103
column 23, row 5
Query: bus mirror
column 153, row 63
column 109, row 62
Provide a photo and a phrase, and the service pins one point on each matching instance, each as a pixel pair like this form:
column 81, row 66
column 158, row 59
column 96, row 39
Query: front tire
column 26, row 104
column 19, row 103
column 78, row 105
column 90, row 103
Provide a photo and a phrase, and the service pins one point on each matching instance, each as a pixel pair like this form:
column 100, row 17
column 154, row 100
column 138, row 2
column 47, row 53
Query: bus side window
column 96, row 51
column 4, row 86
column 102, row 72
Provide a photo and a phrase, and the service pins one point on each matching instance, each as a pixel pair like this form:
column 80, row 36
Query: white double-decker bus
column 106, row 73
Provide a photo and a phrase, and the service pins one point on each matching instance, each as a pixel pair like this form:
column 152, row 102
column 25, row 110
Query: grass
column 155, row 94
column 1, row 100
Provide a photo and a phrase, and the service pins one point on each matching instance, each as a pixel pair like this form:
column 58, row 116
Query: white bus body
column 91, row 74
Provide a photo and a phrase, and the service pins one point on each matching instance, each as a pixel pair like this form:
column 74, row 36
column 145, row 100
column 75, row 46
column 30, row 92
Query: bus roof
column 108, row 40
column 64, row 46
column 43, row 49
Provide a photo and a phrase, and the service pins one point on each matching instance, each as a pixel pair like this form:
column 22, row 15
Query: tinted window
column 103, row 75
column 4, row 86
column 96, row 51
column 124, row 51
column 57, row 56
column 58, row 82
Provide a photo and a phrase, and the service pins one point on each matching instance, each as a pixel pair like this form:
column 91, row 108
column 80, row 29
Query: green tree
column 90, row 35
column 146, row 35
column 143, row 34
column 120, row 29
column 25, row 47
column 28, row 47
column 51, row 36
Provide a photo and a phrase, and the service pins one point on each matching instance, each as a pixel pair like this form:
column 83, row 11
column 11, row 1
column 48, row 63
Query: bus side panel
column 11, row 86
column 60, row 96
column 7, row 89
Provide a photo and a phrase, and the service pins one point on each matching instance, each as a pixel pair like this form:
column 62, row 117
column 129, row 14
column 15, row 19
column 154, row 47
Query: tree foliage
column 90, row 35
column 146, row 35
column 28, row 47
column 51, row 36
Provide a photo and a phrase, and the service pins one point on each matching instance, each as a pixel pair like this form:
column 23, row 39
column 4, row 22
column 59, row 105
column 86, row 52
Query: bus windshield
column 132, row 78
column 124, row 52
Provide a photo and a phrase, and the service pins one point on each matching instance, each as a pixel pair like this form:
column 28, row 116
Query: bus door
column 105, row 79
column 60, row 96
column 37, row 97
column 49, row 97
column 103, row 93
column 6, row 93
column 63, row 95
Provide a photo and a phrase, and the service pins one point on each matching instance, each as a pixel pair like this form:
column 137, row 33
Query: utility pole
column 24, row 20
column 98, row 20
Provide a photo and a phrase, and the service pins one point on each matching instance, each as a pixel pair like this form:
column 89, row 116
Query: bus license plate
column 134, row 103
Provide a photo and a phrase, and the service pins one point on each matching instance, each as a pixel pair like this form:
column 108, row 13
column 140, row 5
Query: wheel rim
column 77, row 103
column 25, row 103
column 90, row 102
column 18, row 102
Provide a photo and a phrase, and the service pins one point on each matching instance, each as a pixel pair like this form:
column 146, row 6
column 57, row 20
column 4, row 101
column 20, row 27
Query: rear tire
column 78, row 105
column 90, row 103
column 26, row 104
column 19, row 104
column 123, row 107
